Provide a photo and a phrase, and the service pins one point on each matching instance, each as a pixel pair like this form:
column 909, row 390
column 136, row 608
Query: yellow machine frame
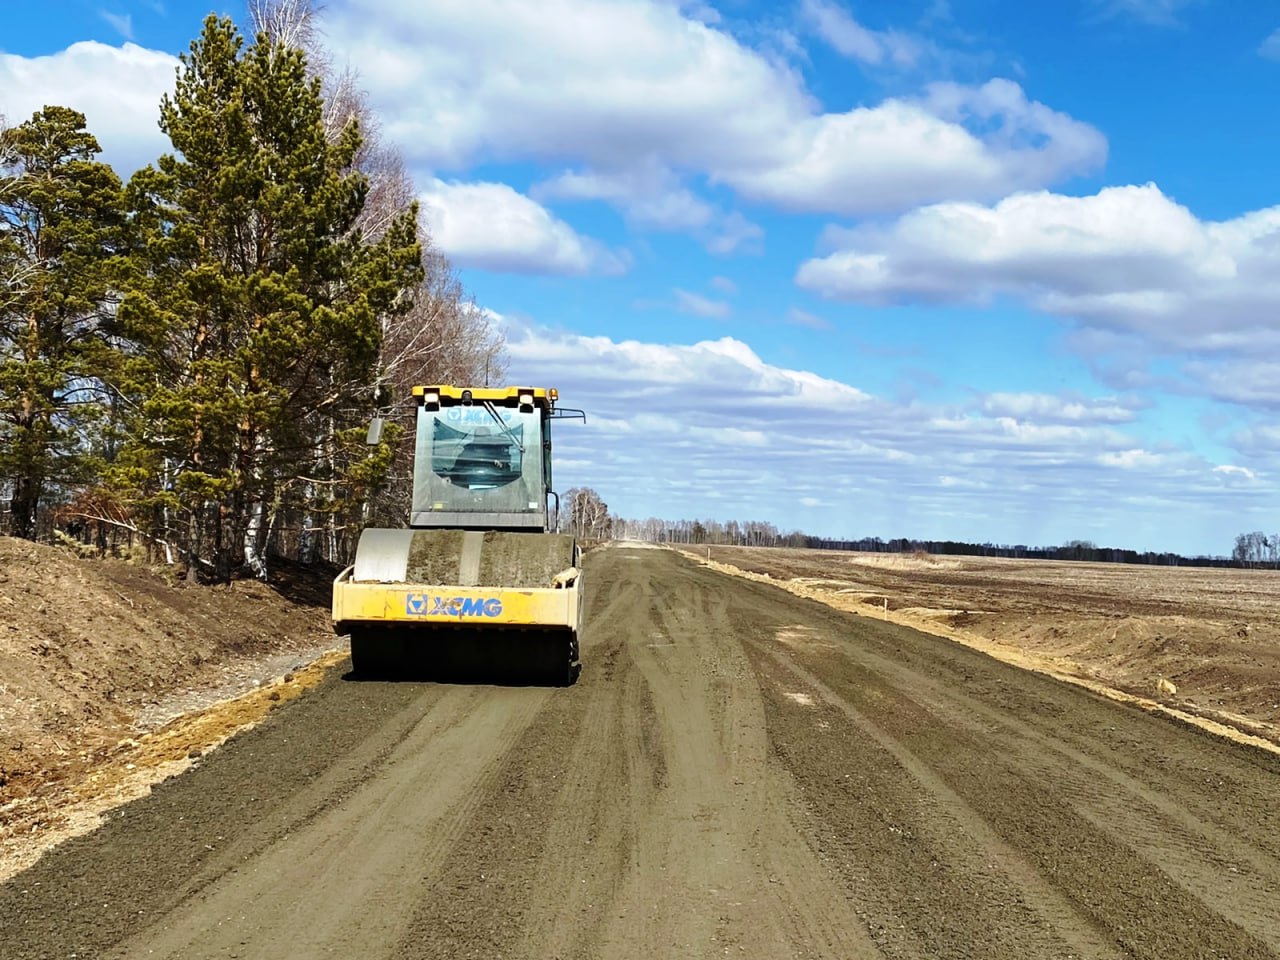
column 386, row 609
column 474, row 606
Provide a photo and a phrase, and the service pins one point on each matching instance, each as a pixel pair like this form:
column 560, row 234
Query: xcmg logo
column 425, row 605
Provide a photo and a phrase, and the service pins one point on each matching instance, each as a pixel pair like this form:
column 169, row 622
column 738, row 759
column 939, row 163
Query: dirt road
column 739, row 772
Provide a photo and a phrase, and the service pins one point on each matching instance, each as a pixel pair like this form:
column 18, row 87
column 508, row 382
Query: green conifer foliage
column 60, row 227
column 252, row 306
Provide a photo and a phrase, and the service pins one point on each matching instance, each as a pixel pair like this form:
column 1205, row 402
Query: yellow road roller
column 479, row 586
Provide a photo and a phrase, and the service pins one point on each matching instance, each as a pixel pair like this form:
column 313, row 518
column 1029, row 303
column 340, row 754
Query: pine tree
column 60, row 227
column 254, row 307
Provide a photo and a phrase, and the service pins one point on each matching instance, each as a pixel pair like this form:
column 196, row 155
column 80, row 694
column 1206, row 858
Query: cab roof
column 504, row 396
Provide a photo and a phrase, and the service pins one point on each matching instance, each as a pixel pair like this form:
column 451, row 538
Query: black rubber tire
column 369, row 655
column 574, row 666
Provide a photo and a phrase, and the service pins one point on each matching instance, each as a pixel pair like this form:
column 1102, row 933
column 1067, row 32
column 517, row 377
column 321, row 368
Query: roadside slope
column 93, row 652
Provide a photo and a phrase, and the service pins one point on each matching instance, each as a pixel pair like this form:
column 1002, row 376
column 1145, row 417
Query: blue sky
column 977, row 269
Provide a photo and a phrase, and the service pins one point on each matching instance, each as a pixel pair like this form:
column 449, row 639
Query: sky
column 984, row 270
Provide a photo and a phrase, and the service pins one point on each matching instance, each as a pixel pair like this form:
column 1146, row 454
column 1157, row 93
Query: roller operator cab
column 478, row 586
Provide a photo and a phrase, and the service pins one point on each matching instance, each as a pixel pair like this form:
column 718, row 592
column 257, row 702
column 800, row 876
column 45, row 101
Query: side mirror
column 374, row 436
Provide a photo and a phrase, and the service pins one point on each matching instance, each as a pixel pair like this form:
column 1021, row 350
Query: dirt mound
column 95, row 651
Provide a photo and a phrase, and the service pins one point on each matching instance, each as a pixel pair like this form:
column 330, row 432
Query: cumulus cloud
column 1127, row 259
column 518, row 80
column 710, row 429
column 118, row 89
column 493, row 227
column 658, row 96
column 1135, row 273
column 903, row 152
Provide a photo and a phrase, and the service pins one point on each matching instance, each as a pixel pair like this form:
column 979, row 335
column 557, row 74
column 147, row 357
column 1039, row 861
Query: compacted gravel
column 738, row 772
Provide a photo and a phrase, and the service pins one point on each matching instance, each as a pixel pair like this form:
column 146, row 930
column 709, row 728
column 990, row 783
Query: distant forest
column 1251, row 549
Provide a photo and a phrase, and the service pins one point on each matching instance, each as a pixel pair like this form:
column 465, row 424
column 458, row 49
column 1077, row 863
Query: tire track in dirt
column 666, row 821
column 725, row 870
column 151, row 855
column 949, row 818
column 1132, row 881
column 1231, row 865
column 361, row 861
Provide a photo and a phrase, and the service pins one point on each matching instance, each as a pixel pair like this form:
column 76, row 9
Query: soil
column 1201, row 641
column 739, row 772
column 98, row 658
column 517, row 560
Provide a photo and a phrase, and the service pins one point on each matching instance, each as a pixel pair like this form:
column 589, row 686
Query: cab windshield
column 478, row 455
column 480, row 463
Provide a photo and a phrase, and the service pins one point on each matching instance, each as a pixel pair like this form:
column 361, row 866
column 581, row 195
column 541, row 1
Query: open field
column 1213, row 634
column 739, row 772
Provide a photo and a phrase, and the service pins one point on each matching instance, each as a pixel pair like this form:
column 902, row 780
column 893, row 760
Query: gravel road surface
column 738, row 772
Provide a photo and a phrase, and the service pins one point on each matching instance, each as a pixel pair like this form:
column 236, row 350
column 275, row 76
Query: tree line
column 188, row 359
column 1254, row 549
column 747, row 533
column 1257, row 549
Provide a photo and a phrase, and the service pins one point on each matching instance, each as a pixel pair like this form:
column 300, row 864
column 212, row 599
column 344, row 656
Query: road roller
column 479, row 586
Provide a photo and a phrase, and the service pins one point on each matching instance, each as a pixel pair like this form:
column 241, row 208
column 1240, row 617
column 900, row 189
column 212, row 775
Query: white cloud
column 493, row 227
column 1054, row 408
column 1136, row 273
column 803, row 318
column 700, row 11
column 657, row 91
column 518, row 80
column 122, row 23
column 673, row 428
column 735, row 233
column 902, row 152
column 1127, row 259
column 1248, row 382
column 1163, row 13
column 653, row 196
column 838, row 28
column 1231, row 470
column 700, row 306
column 118, row 89
column 1270, row 47
column 723, row 284
column 1260, row 441
column 1136, row 459
column 650, row 194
